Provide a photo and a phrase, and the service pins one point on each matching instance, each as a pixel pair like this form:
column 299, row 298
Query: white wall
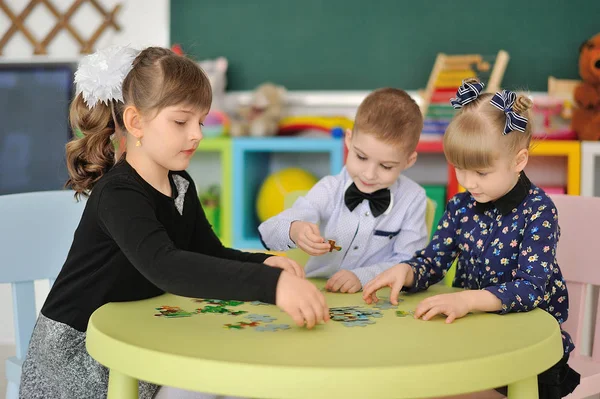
column 142, row 22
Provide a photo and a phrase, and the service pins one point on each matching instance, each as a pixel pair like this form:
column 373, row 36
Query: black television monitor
column 34, row 125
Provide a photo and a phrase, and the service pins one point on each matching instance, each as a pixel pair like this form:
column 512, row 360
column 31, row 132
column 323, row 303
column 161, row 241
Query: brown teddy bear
column 261, row 117
column 586, row 117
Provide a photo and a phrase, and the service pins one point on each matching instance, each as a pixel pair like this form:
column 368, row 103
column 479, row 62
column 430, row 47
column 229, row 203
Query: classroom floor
column 6, row 351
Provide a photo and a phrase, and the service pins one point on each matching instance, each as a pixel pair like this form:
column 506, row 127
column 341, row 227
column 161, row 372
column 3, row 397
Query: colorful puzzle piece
column 402, row 313
column 358, row 323
column 333, row 247
column 240, row 325
column 172, row 312
column 272, row 327
column 352, row 316
column 233, row 327
column 386, row 304
column 259, row 303
column 213, row 309
column 237, row 312
column 220, row 310
column 219, row 302
column 263, row 318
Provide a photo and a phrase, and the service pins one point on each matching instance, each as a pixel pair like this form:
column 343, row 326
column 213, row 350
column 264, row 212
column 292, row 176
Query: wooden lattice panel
column 62, row 22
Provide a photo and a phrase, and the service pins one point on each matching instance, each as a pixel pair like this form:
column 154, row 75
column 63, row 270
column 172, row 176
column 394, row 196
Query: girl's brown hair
column 158, row 79
column 474, row 138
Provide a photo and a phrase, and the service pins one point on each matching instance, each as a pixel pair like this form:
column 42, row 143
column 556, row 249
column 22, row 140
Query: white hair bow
column 100, row 75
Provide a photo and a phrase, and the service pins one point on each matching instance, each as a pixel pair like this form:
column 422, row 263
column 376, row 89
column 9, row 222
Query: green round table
column 397, row 357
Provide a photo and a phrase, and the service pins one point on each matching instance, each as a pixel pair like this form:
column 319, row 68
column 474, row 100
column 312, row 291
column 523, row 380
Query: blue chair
column 36, row 232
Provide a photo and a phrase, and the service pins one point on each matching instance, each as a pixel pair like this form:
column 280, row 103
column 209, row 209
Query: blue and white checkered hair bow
column 505, row 101
column 468, row 91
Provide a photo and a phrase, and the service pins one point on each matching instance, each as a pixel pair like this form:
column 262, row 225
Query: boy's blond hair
column 474, row 138
column 392, row 116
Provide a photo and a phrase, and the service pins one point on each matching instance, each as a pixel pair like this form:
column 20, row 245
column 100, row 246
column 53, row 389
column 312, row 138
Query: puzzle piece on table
column 352, row 316
column 213, row 309
column 358, row 323
column 372, row 312
column 386, row 304
column 237, row 312
column 342, row 308
column 263, row 318
column 220, row 310
column 172, row 312
column 233, row 327
column 219, row 302
column 259, row 303
column 240, row 325
column 272, row 327
column 333, row 247
column 403, row 313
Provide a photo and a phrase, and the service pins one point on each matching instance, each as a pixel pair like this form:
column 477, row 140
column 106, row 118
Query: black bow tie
column 379, row 201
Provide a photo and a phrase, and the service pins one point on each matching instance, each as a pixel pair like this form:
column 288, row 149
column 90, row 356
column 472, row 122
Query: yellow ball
column 271, row 195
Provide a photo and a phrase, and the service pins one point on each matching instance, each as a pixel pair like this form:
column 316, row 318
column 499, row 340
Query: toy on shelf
column 216, row 71
column 261, row 117
column 586, row 116
column 446, row 76
column 272, row 192
column 216, row 124
column 210, row 203
column 549, row 119
column 303, row 125
column 177, row 49
column 563, row 89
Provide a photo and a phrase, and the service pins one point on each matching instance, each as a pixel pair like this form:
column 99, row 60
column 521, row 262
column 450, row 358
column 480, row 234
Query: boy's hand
column 396, row 277
column 301, row 300
column 344, row 281
column 308, row 238
column 286, row 264
column 454, row 306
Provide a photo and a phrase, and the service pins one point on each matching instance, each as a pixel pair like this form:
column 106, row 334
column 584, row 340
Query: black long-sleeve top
column 133, row 243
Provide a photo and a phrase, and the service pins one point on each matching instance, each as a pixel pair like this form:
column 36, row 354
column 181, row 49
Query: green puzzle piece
column 403, row 313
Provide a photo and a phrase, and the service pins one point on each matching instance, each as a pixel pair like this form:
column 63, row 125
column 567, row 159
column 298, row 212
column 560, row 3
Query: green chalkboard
column 361, row 44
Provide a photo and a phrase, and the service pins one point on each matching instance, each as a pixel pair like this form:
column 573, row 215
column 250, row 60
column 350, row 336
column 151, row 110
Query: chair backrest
column 430, row 215
column 579, row 218
column 36, row 232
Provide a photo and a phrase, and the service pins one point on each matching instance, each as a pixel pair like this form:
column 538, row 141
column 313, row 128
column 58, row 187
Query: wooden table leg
column 121, row 386
column 524, row 389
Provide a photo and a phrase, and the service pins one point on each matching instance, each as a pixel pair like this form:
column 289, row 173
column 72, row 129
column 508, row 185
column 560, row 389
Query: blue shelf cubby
column 256, row 158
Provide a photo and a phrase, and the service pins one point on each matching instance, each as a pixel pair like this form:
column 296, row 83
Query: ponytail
column 92, row 154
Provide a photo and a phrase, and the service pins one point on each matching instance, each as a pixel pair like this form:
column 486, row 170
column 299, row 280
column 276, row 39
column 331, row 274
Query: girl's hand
column 286, row 264
column 454, row 306
column 301, row 300
column 396, row 277
column 344, row 281
column 308, row 238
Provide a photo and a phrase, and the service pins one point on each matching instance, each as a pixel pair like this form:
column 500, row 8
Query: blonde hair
column 159, row 78
column 474, row 138
column 390, row 115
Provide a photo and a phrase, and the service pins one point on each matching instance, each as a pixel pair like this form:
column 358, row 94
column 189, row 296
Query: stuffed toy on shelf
column 586, row 116
column 261, row 117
